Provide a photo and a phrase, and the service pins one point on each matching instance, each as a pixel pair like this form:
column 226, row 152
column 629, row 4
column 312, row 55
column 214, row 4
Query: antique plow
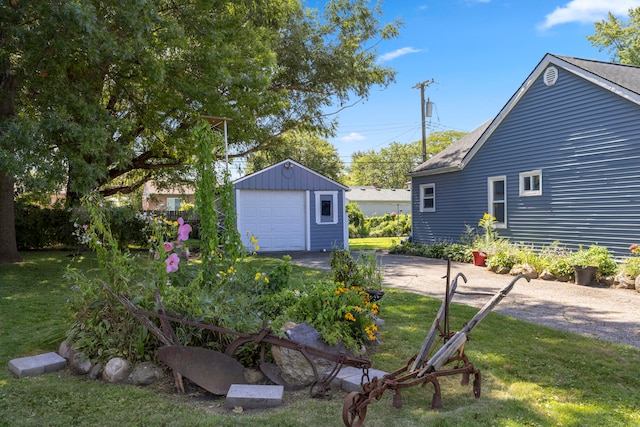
column 215, row 371
column 449, row 359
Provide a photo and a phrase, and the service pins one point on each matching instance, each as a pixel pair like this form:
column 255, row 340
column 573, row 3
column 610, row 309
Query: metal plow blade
column 210, row 369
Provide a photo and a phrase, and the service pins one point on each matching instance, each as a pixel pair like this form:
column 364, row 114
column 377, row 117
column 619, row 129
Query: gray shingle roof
column 626, row 76
column 619, row 78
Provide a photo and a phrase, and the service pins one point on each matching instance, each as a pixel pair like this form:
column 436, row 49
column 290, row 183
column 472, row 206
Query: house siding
column 325, row 236
column 584, row 139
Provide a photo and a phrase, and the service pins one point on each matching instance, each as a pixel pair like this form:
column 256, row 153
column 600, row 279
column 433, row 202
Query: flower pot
column 585, row 276
column 479, row 258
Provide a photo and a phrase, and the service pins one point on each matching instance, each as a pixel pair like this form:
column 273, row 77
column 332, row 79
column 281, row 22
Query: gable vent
column 550, row 76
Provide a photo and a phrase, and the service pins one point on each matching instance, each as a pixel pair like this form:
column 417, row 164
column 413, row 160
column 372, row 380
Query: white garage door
column 275, row 218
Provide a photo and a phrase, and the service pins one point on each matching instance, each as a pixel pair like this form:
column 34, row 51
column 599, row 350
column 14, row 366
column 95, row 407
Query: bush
column 42, row 228
column 597, row 256
column 631, row 267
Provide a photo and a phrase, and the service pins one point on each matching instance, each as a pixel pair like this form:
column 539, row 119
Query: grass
column 531, row 375
column 372, row 243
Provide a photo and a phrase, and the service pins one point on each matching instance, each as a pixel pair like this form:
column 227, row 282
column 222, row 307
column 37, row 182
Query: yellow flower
column 375, row 309
column 258, row 276
column 350, row 317
column 256, row 248
column 254, row 240
column 266, row 279
column 358, row 309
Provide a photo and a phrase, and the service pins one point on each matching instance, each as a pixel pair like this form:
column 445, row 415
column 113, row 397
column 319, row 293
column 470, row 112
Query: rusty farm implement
column 432, row 362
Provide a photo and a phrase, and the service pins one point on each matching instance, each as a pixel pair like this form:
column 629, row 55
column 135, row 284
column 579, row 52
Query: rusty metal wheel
column 353, row 412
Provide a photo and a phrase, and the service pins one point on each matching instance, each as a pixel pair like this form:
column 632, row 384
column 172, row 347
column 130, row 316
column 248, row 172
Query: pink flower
column 172, row 263
column 183, row 230
column 168, row 246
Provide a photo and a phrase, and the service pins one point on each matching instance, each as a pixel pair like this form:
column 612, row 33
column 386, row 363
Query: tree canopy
column 103, row 93
column 618, row 37
column 388, row 167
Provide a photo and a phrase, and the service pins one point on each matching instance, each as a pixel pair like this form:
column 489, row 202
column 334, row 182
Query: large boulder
column 295, row 368
column 525, row 269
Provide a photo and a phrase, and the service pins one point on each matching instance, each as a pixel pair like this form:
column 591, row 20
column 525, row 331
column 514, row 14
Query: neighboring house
column 289, row 207
column 380, row 201
column 560, row 162
column 166, row 199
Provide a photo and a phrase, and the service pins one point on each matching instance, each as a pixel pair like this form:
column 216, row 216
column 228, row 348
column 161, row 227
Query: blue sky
column 478, row 52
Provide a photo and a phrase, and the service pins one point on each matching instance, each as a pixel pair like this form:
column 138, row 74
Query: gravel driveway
column 607, row 313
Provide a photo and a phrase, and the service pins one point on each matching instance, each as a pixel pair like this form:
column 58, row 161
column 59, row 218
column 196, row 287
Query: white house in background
column 380, row 201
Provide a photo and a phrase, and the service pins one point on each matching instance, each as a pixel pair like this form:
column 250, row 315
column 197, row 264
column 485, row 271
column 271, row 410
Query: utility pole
column 426, row 112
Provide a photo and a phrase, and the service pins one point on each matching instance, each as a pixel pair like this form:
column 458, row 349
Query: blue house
column 560, row 162
column 289, row 207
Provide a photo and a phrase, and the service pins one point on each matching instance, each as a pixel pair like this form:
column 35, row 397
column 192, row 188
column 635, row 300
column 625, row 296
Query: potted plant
column 483, row 242
column 592, row 263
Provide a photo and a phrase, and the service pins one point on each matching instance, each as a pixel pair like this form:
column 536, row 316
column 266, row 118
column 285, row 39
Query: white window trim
column 334, row 207
column 421, row 201
column 490, row 198
column 530, row 174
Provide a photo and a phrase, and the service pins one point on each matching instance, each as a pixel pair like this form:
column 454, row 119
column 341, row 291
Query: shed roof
column 623, row 80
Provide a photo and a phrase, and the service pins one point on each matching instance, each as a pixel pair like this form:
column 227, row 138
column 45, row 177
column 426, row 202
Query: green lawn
column 371, row 243
column 532, row 375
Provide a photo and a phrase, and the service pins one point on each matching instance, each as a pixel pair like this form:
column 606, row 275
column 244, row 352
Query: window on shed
column 326, row 207
column 498, row 200
column 531, row 183
column 428, row 198
column 173, row 204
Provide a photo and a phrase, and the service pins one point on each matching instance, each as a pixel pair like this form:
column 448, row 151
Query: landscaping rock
column 253, row 376
column 525, row 269
column 65, row 350
column 94, row 373
column 547, row 275
column 116, row 370
column 80, row 363
column 624, row 281
column 607, row 281
column 145, row 374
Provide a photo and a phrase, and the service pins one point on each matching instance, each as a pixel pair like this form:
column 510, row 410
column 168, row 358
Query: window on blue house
column 498, row 200
column 428, row 198
column 326, row 207
column 531, row 183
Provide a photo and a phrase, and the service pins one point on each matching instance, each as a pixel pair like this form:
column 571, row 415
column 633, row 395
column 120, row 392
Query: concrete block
column 250, row 396
column 345, row 372
column 352, row 383
column 32, row 366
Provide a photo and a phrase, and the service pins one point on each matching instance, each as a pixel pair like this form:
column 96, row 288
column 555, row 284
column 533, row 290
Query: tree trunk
column 8, row 247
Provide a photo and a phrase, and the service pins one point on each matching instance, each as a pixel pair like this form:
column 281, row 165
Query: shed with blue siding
column 560, row 162
column 289, row 207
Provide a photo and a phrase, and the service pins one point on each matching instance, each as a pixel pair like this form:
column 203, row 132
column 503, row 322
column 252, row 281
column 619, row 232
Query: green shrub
column 501, row 260
column 631, row 267
column 561, row 267
column 597, row 256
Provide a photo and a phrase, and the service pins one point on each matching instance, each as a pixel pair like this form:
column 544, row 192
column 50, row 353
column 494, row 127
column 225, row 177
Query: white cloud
column 353, row 136
column 587, row 11
column 397, row 53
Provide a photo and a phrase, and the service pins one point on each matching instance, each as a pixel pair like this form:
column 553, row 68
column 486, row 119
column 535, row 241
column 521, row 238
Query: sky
column 478, row 52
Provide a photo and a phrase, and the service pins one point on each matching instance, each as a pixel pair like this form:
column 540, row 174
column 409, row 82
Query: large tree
column 621, row 38
column 305, row 148
column 108, row 89
column 388, row 167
